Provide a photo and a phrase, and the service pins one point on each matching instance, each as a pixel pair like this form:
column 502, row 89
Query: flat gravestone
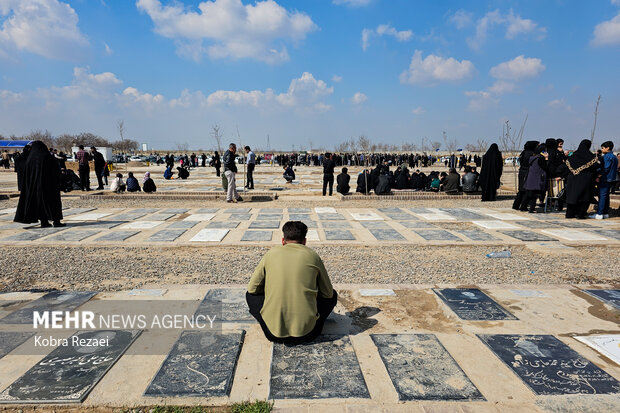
column 523, row 235
column 53, row 301
column 161, row 216
column 227, row 304
column 182, row 225
column 69, row 373
column 325, row 210
column 199, row 217
column 390, row 210
column 175, row 210
column 73, row 235
column 376, row 292
column 93, row 216
column 74, row 211
column 265, row 225
column 96, row 224
column 366, row 216
column 575, row 224
column 223, row 224
column 324, row 368
column 402, row 216
column 146, row 210
column 336, row 224
column 504, row 216
column 299, row 210
column 477, row 235
column 299, row 217
column 206, row 211
column 270, row 211
column 462, row 214
column 331, row 217
column 437, row 235
column 422, row 369
column 313, row 235
column 201, row 364
column 574, row 235
column 472, row 304
column 375, row 224
column 548, row 366
column 310, row 223
column 417, row 224
column 420, row 210
column 141, row 225
column 237, row 210
column 210, row 235
column 495, row 224
column 537, row 224
column 117, row 236
column 339, row 235
column 269, row 217
column 10, row 340
column 608, row 345
column 166, row 235
column 126, row 217
column 437, row 217
column 611, row 297
column 382, row 234
column 257, row 236
column 240, row 217
column 33, row 234
column 609, row 233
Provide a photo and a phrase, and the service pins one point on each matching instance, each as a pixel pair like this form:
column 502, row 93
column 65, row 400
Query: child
column 118, row 185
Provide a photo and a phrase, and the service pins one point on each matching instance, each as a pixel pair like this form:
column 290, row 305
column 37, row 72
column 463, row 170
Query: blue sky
column 309, row 72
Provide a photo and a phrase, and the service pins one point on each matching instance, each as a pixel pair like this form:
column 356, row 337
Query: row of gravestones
column 203, row 363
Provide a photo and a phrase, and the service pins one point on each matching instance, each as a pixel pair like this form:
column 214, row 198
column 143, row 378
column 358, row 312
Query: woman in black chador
column 39, row 199
column 492, row 167
column 580, row 173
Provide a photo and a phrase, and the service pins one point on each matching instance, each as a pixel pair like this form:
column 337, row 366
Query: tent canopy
column 14, row 144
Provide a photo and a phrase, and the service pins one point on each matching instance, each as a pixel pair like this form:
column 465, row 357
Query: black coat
column 20, row 166
column 581, row 170
column 342, row 182
column 99, row 162
column 39, row 198
column 149, row 185
column 492, row 167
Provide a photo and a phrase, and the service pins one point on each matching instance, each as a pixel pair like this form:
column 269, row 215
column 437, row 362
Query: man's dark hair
column 559, row 141
column 345, row 170
column 295, row 231
column 247, row 148
column 231, row 145
column 81, row 147
column 608, row 144
column 92, row 147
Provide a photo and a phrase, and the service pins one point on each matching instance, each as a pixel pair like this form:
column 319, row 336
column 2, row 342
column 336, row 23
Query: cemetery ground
column 424, row 322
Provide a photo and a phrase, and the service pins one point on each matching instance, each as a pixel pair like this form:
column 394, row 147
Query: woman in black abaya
column 492, row 167
column 20, row 165
column 582, row 166
column 520, row 202
column 39, row 199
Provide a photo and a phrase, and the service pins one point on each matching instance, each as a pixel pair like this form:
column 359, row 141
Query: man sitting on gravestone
column 290, row 294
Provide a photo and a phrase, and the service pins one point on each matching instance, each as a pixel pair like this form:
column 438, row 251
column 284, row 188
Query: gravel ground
column 119, row 269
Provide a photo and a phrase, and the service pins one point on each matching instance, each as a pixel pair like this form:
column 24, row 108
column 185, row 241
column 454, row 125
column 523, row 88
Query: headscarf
column 582, row 158
column 147, row 176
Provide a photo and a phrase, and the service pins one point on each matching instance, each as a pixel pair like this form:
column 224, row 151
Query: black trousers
column 579, row 210
column 99, row 178
column 532, row 196
column 520, row 202
column 324, row 307
column 250, row 174
column 328, row 179
column 84, row 171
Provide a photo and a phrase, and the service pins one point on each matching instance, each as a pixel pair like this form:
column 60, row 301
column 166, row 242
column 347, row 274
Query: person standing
column 492, row 167
column 536, row 176
column 251, row 163
column 6, row 160
column 20, row 165
column 609, row 174
column 230, row 170
column 328, row 173
column 217, row 163
column 582, row 166
column 83, row 168
column 99, row 165
column 39, row 199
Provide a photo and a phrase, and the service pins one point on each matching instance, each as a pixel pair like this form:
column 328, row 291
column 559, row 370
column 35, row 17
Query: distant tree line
column 66, row 141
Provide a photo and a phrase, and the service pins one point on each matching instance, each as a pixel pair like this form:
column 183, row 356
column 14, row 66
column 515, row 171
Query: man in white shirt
column 251, row 162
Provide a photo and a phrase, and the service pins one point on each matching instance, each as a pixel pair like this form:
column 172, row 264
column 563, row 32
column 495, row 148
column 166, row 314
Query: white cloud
column 359, row 98
column 108, row 50
column 616, row 2
column 44, row 27
column 435, row 69
column 559, row 104
column 230, row 29
column 515, row 26
column 353, row 3
column 500, row 87
column 336, row 79
column 418, row 111
column 481, row 99
column 518, row 68
column 607, row 33
column 385, row 30
column 131, row 95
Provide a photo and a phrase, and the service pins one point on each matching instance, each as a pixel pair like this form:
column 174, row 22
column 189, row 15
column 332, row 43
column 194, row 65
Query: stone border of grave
column 254, row 196
column 420, row 195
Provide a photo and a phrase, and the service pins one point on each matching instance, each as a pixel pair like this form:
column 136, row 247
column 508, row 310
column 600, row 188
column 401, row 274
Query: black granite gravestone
column 611, row 297
column 324, row 368
column 227, row 304
column 472, row 304
column 9, row 340
column 69, row 373
column 54, row 301
column 548, row 366
column 422, row 369
column 201, row 364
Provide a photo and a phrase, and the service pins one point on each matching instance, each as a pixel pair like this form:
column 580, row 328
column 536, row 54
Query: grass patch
column 257, row 406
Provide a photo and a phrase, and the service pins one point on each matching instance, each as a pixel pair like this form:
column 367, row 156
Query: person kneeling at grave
column 290, row 293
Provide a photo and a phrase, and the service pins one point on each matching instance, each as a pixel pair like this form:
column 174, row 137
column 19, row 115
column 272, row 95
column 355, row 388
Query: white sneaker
column 595, row 216
column 605, row 216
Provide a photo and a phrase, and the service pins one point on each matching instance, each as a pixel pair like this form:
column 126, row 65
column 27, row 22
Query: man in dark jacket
column 230, row 170
column 452, row 182
column 343, row 180
column 99, row 165
column 328, row 173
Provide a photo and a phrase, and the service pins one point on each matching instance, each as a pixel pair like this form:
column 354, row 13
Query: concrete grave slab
column 33, row 234
column 335, row 224
column 9, row 340
column 257, row 236
column 227, row 303
column 94, row 216
column 472, row 304
column 73, row 235
column 210, row 235
column 265, row 225
column 375, row 224
column 338, row 235
column 574, row 235
column 403, row 216
column 166, row 235
column 609, row 233
column 366, row 216
column 237, row 210
column 69, row 373
column 422, row 369
column 437, row 217
column 535, row 224
column 223, row 224
column 74, row 211
column 382, row 234
column 503, row 216
column 182, row 224
column 199, row 217
column 331, row 217
column 530, row 293
column 392, row 210
column 177, row 210
column 271, row 211
column 95, row 224
column 299, row 210
column 608, row 345
column 477, row 235
column 313, row 235
column 299, row 217
column 126, row 217
column 160, row 216
column 53, row 301
column 240, row 217
column 269, row 217
column 206, row 211
column 324, row 368
column 495, row 225
column 417, row 224
column 420, row 210
column 611, row 297
column 462, row 214
column 117, row 236
column 8, row 211
column 201, row 364
column 141, row 225
column 523, row 235
column 325, row 210
column 437, row 235
column 575, row 224
column 147, row 292
column 548, row 366
column 377, row 292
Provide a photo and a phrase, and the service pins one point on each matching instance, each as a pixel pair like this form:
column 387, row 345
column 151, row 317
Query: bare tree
column 435, row 145
column 595, row 119
column 363, row 143
column 216, row 133
column 511, row 144
column 182, row 146
column 120, row 125
column 450, row 144
column 39, row 135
